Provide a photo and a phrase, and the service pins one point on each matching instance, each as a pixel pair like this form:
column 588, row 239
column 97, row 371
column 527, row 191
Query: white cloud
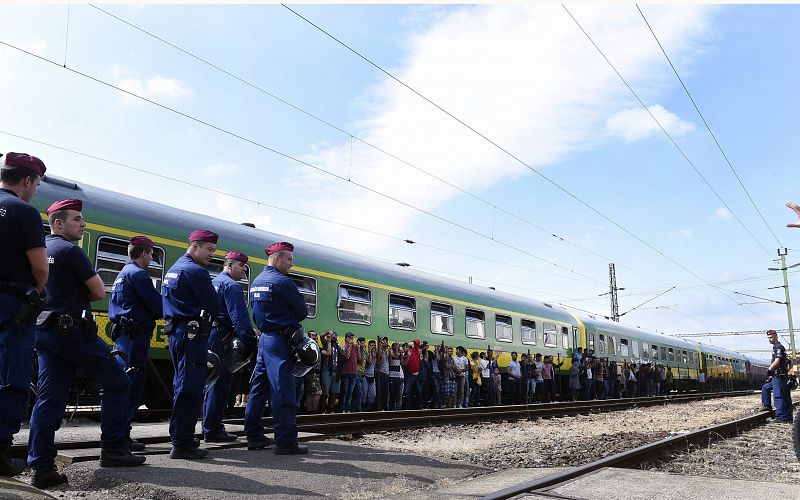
column 157, row 87
column 636, row 123
column 218, row 170
column 722, row 213
column 522, row 75
column 35, row 45
column 682, row 233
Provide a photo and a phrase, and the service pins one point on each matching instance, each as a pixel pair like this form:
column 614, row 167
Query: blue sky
column 525, row 76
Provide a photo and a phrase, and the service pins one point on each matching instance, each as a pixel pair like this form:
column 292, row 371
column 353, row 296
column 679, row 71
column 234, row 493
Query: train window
column 46, row 228
column 645, row 351
column 354, row 304
column 564, row 337
column 685, row 357
column 602, row 339
column 623, row 348
column 635, row 349
column 671, row 354
column 216, row 267
column 550, row 332
column 612, row 346
column 502, row 328
column 528, row 332
column 476, row 324
column 112, row 254
column 590, row 340
column 402, row 312
column 663, row 353
column 654, row 351
column 308, row 289
column 441, row 318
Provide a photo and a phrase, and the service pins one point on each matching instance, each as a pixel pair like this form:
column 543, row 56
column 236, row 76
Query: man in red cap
column 23, row 274
column 190, row 304
column 778, row 371
column 233, row 322
column 66, row 339
column 278, row 309
column 133, row 309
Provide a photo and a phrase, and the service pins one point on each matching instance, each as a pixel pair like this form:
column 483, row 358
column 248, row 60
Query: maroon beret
column 65, row 205
column 279, row 247
column 771, row 332
column 203, row 235
column 142, row 241
column 26, row 161
column 241, row 257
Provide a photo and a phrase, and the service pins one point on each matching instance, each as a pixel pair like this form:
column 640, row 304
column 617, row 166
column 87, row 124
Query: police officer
column 278, row 308
column 233, row 320
column 133, row 309
column 190, row 304
column 778, row 369
column 66, row 339
column 23, row 274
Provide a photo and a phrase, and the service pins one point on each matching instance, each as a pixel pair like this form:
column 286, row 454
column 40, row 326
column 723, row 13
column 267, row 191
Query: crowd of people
column 360, row 375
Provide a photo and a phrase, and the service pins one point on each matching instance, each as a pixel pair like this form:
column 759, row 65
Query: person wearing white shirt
column 514, row 376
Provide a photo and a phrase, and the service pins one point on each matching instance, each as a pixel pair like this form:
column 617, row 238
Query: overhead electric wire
column 669, row 136
column 708, row 127
column 514, row 157
column 367, row 143
column 284, row 209
column 298, row 160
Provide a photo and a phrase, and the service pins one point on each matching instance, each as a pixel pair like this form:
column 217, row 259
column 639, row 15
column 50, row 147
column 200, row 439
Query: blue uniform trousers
column 16, row 367
column 60, row 356
column 137, row 350
column 189, row 362
column 766, row 395
column 217, row 397
column 783, row 400
column 273, row 377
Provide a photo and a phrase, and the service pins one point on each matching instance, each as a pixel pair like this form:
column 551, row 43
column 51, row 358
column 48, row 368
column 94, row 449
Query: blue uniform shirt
column 20, row 231
column 233, row 310
column 276, row 301
column 187, row 290
column 133, row 296
column 66, row 283
column 779, row 352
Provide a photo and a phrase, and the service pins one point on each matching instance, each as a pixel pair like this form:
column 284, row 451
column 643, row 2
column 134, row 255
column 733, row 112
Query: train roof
column 143, row 215
column 641, row 334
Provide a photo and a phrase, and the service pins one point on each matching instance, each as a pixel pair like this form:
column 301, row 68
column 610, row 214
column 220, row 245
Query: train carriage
column 351, row 293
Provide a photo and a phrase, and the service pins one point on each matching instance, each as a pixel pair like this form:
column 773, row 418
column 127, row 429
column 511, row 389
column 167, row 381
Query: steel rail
column 632, row 457
column 364, row 422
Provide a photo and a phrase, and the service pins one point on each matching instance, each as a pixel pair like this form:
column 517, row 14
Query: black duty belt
column 125, row 326
column 64, row 324
column 196, row 326
column 14, row 288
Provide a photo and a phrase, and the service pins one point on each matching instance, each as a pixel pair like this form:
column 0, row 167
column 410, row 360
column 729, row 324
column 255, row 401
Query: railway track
column 632, row 458
column 366, row 422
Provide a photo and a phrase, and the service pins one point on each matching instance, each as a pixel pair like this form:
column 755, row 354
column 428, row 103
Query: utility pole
column 615, row 305
column 782, row 254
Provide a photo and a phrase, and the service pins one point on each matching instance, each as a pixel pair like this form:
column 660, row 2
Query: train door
column 575, row 339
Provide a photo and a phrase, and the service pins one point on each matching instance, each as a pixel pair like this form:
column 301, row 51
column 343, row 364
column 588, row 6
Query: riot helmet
column 214, row 366
column 236, row 354
column 306, row 352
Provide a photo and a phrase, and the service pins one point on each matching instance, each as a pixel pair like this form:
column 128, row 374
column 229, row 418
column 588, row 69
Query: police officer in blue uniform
column 133, row 309
column 232, row 320
column 779, row 371
column 66, row 339
column 23, row 274
column 278, row 308
column 190, row 305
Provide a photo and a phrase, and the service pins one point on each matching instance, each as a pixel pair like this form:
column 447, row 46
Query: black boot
column 297, row 449
column 119, row 456
column 134, row 445
column 10, row 466
column 187, row 452
column 47, row 478
column 219, row 436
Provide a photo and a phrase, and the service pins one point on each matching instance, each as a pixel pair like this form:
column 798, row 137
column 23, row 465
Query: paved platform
column 479, row 486
column 629, row 484
column 332, row 469
column 11, row 489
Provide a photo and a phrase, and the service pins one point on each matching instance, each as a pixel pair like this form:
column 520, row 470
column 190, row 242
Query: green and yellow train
column 349, row 293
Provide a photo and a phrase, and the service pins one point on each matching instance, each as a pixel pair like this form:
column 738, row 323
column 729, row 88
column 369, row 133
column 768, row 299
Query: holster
column 124, row 326
column 32, row 305
column 64, row 323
